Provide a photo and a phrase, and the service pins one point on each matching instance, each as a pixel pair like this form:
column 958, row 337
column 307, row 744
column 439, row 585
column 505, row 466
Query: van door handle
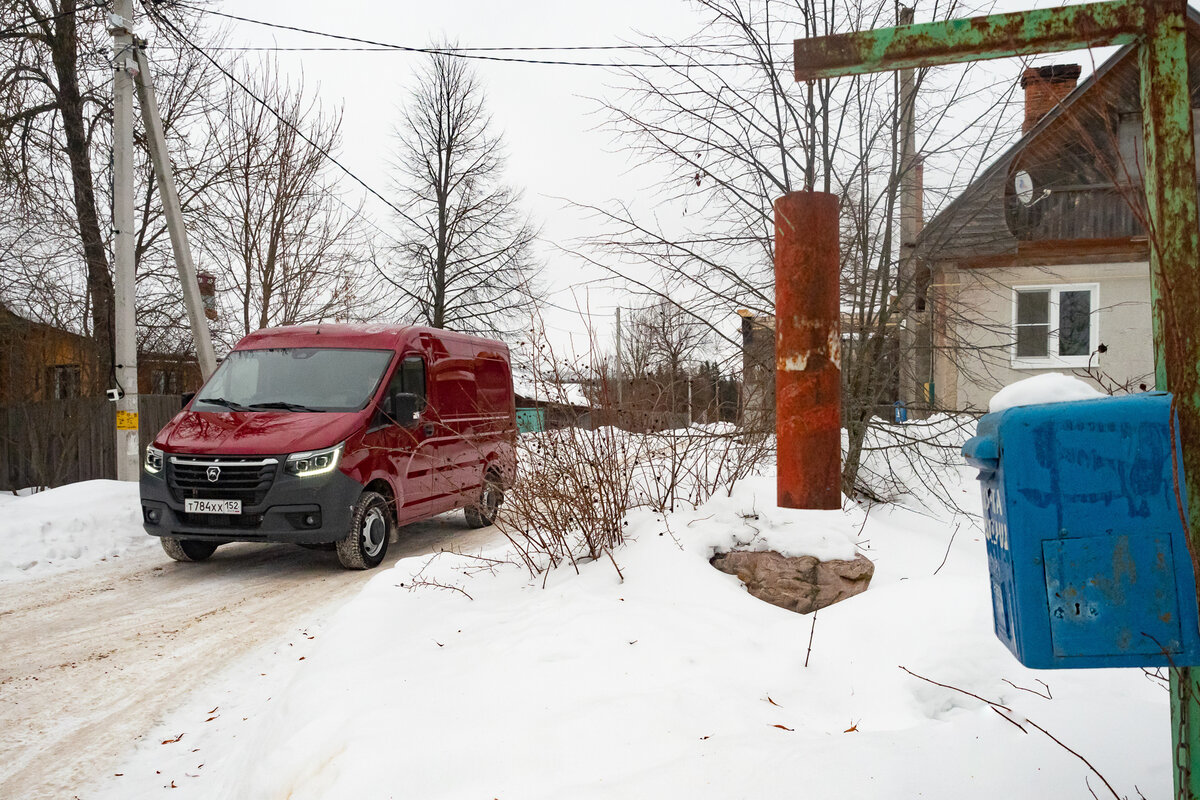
column 428, row 429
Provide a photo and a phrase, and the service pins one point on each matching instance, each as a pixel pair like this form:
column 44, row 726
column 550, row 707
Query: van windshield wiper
column 221, row 401
column 281, row 404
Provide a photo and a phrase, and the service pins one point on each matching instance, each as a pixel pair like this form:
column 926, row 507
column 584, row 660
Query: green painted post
column 1159, row 26
column 1175, row 290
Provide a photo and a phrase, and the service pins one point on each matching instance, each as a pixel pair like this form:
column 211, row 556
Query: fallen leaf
column 772, row 702
column 173, row 786
column 173, row 741
column 214, row 710
column 782, row 727
column 302, row 658
column 210, row 719
column 119, row 774
column 852, row 729
column 702, row 738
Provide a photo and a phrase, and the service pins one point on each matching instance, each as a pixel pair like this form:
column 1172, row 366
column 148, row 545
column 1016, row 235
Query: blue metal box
column 1086, row 543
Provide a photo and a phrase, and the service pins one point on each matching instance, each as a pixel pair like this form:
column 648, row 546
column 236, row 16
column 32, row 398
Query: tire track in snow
column 93, row 658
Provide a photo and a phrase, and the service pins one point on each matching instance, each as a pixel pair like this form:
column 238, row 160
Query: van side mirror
column 402, row 408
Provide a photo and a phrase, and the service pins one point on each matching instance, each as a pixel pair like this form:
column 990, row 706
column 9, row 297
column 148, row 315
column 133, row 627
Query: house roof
column 968, row 224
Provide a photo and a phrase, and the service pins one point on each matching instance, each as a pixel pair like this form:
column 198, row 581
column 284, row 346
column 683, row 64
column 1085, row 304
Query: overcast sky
column 550, row 120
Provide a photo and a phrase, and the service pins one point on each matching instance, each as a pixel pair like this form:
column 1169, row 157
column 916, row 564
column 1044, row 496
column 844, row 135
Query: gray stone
column 801, row 584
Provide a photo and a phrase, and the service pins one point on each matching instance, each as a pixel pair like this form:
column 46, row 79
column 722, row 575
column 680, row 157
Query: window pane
column 1033, row 308
column 1032, row 341
column 1074, row 323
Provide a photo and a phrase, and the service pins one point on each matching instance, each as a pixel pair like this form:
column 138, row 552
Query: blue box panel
column 1086, row 543
column 1093, row 588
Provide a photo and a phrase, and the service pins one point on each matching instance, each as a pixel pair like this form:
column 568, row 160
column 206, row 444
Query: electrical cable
column 472, row 53
column 158, row 17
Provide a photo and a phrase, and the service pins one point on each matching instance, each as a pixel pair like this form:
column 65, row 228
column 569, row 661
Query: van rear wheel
column 366, row 542
column 187, row 549
column 485, row 510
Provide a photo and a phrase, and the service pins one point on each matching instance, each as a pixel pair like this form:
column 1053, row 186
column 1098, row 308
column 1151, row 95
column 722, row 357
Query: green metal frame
column 1158, row 27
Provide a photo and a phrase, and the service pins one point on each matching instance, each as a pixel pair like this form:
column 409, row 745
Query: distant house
column 41, row 363
column 1042, row 263
column 757, row 407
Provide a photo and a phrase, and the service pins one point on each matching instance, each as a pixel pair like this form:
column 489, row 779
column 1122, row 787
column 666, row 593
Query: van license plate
column 212, row 506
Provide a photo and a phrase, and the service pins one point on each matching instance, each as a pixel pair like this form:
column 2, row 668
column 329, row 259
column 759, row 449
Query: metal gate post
column 808, row 378
column 1174, row 229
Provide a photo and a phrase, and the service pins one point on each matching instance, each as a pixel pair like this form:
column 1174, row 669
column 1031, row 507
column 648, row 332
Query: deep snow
column 69, row 527
column 457, row 677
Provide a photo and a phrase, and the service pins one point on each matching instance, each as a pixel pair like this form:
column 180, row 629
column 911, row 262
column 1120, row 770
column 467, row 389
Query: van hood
column 255, row 433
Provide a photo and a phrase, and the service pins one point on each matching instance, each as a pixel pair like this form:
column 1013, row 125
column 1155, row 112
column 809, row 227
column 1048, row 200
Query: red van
column 330, row 436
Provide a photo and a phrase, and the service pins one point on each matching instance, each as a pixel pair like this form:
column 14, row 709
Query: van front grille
column 225, row 478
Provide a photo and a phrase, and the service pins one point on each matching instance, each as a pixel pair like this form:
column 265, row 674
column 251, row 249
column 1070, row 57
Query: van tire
column 187, row 549
column 485, row 510
column 366, row 542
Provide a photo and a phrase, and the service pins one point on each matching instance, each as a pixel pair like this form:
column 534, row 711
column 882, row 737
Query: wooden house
column 1042, row 263
column 41, row 363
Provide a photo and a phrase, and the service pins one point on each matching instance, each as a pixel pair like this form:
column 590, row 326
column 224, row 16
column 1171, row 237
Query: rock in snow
column 800, row 584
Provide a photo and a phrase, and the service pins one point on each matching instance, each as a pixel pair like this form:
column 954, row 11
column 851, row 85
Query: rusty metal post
column 808, row 377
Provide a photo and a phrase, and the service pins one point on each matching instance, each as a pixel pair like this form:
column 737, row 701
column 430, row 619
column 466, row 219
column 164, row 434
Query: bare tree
column 465, row 251
column 734, row 131
column 52, row 99
column 275, row 230
column 663, row 344
column 55, row 165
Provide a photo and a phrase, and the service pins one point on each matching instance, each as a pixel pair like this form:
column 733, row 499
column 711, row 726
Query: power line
column 474, row 52
column 158, row 17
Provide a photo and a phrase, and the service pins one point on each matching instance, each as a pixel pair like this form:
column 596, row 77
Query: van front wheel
column 187, row 549
column 484, row 511
column 366, row 542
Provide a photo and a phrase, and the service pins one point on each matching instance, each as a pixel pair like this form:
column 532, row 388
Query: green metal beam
column 1043, row 30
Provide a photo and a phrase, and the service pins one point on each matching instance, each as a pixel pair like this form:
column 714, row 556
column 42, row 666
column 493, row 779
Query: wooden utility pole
column 620, row 367
column 915, row 355
column 1158, row 28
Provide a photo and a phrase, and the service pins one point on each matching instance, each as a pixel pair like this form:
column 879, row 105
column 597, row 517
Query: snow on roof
column 543, row 391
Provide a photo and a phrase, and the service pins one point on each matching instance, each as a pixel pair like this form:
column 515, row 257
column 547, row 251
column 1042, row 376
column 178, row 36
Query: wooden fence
column 64, row 441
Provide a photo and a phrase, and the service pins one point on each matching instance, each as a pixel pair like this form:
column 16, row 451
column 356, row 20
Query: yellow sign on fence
column 127, row 421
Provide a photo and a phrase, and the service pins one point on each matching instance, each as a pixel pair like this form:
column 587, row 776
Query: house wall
column 975, row 334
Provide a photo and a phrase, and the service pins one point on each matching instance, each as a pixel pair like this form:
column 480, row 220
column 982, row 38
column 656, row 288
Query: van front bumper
column 309, row 510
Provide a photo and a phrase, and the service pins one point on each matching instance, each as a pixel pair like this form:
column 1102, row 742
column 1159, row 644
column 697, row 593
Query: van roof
column 382, row 337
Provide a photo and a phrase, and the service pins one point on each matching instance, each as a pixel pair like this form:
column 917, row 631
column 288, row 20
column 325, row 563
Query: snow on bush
column 1051, row 387
column 70, row 526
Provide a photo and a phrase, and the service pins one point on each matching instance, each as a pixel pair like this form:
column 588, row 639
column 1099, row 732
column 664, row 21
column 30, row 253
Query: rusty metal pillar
column 808, row 370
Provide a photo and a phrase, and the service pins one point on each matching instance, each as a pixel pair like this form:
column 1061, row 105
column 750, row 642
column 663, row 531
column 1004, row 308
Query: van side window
column 412, row 376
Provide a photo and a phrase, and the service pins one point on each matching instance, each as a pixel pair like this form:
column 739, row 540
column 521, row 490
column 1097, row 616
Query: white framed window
column 1055, row 325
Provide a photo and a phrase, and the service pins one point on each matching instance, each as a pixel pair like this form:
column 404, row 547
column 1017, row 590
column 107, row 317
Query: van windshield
column 294, row 379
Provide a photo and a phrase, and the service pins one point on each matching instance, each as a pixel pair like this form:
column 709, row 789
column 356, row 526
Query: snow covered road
column 91, row 659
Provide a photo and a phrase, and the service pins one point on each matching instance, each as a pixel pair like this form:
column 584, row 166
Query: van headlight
column 314, row 462
column 154, row 460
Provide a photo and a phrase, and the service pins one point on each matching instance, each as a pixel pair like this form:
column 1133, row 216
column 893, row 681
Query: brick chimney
column 1045, row 87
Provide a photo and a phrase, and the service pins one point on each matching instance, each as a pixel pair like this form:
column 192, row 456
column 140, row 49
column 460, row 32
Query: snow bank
column 71, row 526
column 1051, row 387
column 457, row 677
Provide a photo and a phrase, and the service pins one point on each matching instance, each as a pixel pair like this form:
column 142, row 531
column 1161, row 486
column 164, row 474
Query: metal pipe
column 808, row 381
